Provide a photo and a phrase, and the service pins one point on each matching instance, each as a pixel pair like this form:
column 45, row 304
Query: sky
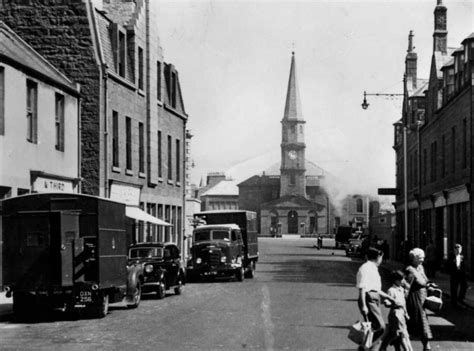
column 233, row 59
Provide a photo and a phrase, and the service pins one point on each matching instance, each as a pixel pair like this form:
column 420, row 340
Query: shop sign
column 47, row 185
column 127, row 194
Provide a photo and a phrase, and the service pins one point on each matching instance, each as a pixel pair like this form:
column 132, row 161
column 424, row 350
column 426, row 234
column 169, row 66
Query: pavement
column 442, row 280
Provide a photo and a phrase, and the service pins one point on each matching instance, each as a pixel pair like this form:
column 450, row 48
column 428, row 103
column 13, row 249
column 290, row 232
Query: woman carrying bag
column 418, row 283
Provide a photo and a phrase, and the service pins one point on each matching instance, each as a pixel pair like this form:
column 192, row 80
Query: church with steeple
column 289, row 199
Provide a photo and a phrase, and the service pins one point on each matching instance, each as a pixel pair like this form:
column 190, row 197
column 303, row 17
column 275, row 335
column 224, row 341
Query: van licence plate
column 85, row 296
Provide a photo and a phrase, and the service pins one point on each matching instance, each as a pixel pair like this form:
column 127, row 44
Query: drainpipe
column 79, row 149
column 106, row 130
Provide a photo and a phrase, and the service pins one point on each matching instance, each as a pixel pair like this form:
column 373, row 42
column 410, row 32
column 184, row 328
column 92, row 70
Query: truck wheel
column 178, row 289
column 137, row 297
column 240, row 274
column 251, row 271
column 101, row 309
column 22, row 306
column 160, row 292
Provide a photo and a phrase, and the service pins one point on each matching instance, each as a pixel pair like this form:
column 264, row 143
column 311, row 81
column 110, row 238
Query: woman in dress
column 418, row 282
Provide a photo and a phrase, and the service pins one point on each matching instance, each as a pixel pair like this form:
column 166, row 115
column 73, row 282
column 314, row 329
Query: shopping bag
column 367, row 344
column 434, row 300
column 359, row 332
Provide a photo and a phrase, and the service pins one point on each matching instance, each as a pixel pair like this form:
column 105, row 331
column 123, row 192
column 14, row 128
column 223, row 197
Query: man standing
column 457, row 273
column 369, row 284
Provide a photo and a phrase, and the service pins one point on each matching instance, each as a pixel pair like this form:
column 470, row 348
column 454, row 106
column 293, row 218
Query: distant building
column 39, row 122
column 355, row 211
column 382, row 227
column 222, row 196
column 289, row 199
column 133, row 120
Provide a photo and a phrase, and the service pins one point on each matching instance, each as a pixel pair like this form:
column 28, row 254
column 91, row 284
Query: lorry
column 343, row 234
column 226, row 245
column 66, row 252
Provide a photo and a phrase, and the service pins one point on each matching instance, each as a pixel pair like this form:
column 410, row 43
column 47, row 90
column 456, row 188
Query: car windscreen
column 146, row 252
column 204, row 235
column 220, row 235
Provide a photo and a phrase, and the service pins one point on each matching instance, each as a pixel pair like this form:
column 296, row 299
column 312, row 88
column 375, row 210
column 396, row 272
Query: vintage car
column 357, row 245
column 159, row 265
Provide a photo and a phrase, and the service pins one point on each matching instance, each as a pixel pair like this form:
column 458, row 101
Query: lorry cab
column 217, row 250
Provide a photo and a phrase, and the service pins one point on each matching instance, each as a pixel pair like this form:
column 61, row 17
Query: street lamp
column 402, row 122
column 365, row 104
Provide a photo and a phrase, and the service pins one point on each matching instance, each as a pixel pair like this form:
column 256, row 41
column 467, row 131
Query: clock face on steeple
column 292, row 155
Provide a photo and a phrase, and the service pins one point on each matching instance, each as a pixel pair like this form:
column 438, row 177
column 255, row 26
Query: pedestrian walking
column 457, row 273
column 417, row 281
column 430, row 261
column 369, row 284
column 320, row 242
column 397, row 331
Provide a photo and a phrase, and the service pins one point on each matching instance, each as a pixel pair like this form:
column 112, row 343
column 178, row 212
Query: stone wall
column 59, row 30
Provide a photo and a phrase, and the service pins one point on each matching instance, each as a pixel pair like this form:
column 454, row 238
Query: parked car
column 357, row 245
column 159, row 266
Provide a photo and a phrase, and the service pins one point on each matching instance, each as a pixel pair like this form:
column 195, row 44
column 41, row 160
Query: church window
column 292, row 179
column 359, row 206
column 293, row 129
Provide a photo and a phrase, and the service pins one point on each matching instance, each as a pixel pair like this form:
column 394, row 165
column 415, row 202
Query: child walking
column 397, row 332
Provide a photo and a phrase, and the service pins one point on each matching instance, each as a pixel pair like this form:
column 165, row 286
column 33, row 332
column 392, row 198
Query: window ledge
column 178, row 183
column 141, row 92
column 159, row 103
column 170, row 182
column 141, row 175
column 129, row 172
column 116, row 169
column 160, row 179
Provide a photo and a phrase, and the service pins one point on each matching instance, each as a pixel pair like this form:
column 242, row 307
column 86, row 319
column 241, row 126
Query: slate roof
column 292, row 201
column 223, row 188
column 469, row 37
column 441, row 60
column 17, row 52
column 312, row 169
column 422, row 85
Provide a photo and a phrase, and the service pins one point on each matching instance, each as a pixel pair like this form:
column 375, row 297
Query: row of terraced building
column 124, row 112
column 438, row 114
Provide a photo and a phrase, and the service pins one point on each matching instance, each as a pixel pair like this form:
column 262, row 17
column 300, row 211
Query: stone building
column 39, row 122
column 221, row 196
column 439, row 149
column 133, row 121
column 289, row 200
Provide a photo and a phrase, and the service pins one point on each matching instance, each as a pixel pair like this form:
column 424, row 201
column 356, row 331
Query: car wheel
column 137, row 297
column 179, row 287
column 160, row 292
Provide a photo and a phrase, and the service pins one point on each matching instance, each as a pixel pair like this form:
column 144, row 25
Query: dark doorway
column 292, row 222
column 313, row 223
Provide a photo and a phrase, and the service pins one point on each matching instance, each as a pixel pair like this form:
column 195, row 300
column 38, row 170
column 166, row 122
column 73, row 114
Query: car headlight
column 223, row 259
column 149, row 268
column 198, row 260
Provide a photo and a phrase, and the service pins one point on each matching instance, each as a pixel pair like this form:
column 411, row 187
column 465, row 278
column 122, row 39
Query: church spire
column 293, row 103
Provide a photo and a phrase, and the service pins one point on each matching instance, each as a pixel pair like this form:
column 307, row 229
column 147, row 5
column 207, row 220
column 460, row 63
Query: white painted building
column 39, row 118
